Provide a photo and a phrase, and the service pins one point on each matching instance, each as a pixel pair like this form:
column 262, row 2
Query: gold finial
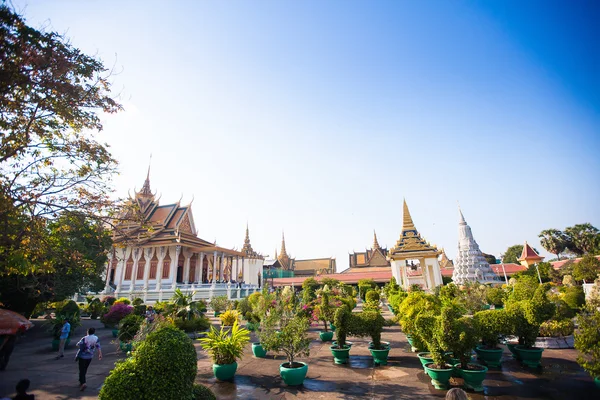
column 146, row 187
column 375, row 242
column 407, row 222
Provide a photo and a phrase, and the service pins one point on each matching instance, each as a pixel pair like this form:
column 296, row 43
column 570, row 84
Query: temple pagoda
column 529, row 256
column 470, row 264
column 413, row 259
column 370, row 260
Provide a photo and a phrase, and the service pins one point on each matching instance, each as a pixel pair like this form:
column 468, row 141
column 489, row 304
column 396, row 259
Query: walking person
column 22, row 388
column 87, row 346
column 64, row 335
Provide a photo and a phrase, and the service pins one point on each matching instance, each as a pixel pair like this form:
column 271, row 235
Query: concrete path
column 403, row 378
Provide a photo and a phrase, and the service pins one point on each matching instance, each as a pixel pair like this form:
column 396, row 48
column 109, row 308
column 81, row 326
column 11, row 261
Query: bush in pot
column 199, row 324
column 323, row 312
column 291, row 338
column 492, row 324
column 433, row 360
column 557, row 328
column 115, row 314
column 460, row 334
column 410, row 308
column 128, row 328
column 526, row 317
column 219, row 304
column 229, row 317
column 225, row 346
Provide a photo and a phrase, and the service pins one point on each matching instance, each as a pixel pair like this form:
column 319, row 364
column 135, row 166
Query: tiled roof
column 561, row 263
column 510, row 269
column 352, row 278
column 529, row 253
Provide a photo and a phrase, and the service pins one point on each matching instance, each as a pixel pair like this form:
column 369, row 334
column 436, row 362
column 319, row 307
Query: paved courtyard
column 403, row 378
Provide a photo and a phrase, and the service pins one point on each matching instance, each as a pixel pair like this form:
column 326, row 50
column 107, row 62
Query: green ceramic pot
column 439, row 377
column 425, row 358
column 380, row 357
column 326, row 336
column 115, row 333
column 340, row 356
column 491, row 357
column 530, row 356
column 125, row 347
column 597, row 382
column 293, row 376
column 473, row 378
column 332, row 327
column 225, row 372
column 384, row 344
column 258, row 350
column 217, row 313
column 511, row 348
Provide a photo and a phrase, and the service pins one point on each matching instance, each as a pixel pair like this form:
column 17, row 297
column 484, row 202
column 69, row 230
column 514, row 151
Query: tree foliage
column 586, row 269
column 512, row 254
column 55, row 176
column 554, row 241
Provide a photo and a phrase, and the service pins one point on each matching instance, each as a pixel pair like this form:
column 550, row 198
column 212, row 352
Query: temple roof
column 375, row 242
column 247, row 248
column 529, row 254
column 283, row 258
column 410, row 242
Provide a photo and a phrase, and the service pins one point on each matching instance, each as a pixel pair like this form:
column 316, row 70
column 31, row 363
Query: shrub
column 526, row 316
column 201, row 392
column 396, row 299
column 492, row 324
column 587, row 341
column 67, row 308
column 137, row 301
column 391, row 288
column 554, row 328
column 244, row 307
column 410, row 308
column 366, row 323
column 219, row 303
column 229, row 317
column 574, row 297
column 363, row 289
column 192, row 325
column 495, row 296
column 109, row 300
column 562, row 310
column 226, row 345
column 139, row 309
column 123, row 300
column 457, row 334
column 371, row 306
column 372, row 296
column 117, row 312
column 426, row 326
column 129, row 327
column 166, row 353
column 292, row 338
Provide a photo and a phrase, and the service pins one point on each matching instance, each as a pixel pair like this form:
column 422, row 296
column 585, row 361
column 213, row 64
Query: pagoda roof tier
column 411, row 244
column 529, row 254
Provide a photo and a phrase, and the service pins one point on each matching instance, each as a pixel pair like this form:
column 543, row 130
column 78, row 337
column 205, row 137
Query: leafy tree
column 74, row 249
column 490, row 258
column 554, row 241
column 51, row 165
column 583, row 239
column 586, row 269
column 512, row 254
column 331, row 282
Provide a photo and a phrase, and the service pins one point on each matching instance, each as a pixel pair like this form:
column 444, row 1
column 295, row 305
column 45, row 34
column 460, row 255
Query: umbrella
column 12, row 322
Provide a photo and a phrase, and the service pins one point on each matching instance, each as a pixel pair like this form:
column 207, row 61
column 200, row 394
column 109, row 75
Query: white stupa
column 470, row 264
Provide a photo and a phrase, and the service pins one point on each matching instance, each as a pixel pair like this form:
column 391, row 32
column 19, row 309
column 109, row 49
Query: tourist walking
column 87, row 346
column 150, row 314
column 64, row 335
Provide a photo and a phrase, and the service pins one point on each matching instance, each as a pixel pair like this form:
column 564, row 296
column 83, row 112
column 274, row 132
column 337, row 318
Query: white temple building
column 158, row 250
column 470, row 265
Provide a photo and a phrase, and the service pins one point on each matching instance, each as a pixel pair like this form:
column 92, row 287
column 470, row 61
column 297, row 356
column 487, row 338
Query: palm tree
column 583, row 238
column 554, row 241
column 184, row 306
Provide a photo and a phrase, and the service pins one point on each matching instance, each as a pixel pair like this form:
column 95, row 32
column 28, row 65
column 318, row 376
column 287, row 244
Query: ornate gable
column 410, row 241
column 377, row 259
column 185, row 225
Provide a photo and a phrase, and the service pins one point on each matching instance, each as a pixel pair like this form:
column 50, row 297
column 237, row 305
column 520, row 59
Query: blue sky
column 319, row 117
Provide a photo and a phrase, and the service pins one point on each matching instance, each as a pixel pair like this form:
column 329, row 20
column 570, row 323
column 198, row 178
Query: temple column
column 159, row 268
column 200, row 265
column 122, row 271
column 222, row 266
column 173, row 271
column 147, row 268
column 186, row 270
column 214, row 266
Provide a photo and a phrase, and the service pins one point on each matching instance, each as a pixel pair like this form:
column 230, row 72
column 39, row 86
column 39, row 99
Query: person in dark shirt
column 22, row 388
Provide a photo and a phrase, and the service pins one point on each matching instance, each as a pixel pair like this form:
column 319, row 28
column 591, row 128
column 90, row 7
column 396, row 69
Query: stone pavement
column 403, row 378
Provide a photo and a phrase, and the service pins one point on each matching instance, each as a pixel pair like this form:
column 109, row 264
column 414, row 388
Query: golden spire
column 375, row 243
column 247, row 246
column 146, row 187
column 407, row 222
column 283, row 252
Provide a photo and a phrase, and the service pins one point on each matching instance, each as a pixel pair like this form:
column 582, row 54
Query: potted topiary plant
column 225, row 347
column 460, row 334
column 219, row 304
column 323, row 312
column 410, row 307
column 526, row 317
column 587, row 342
column 340, row 348
column 428, row 326
column 492, row 324
column 229, row 317
column 292, row 340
